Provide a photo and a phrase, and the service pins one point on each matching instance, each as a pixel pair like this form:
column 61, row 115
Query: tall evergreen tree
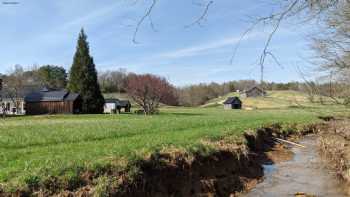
column 83, row 77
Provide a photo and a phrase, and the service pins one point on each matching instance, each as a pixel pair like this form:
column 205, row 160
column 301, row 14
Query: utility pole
column 261, row 74
column 1, row 99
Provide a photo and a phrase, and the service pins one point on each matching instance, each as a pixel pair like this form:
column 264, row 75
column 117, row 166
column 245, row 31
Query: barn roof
column 255, row 88
column 72, row 96
column 231, row 100
column 46, row 95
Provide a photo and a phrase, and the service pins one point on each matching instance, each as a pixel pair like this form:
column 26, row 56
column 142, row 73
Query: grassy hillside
column 39, row 147
column 274, row 99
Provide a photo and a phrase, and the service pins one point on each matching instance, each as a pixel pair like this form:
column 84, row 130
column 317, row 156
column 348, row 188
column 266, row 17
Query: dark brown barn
column 52, row 102
column 255, row 92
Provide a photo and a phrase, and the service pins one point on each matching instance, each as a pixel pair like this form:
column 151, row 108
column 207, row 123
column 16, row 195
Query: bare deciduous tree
column 149, row 91
column 13, row 84
column 113, row 81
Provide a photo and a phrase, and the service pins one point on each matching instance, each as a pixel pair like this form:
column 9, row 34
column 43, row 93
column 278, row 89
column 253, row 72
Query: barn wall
column 255, row 93
column 59, row 107
column 228, row 106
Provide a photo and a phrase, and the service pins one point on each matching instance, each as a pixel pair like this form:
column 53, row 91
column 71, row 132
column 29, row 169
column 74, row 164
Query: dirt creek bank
column 228, row 171
column 304, row 175
column 232, row 169
column 334, row 143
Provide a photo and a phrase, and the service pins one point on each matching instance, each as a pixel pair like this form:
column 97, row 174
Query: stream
column 303, row 174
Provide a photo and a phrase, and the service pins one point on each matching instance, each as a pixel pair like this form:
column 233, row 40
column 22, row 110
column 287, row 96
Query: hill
column 274, row 99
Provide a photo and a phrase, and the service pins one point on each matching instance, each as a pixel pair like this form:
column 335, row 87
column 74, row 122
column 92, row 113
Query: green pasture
column 62, row 145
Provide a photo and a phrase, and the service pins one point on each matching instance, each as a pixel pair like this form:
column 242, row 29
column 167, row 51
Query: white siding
column 227, row 106
column 109, row 108
column 11, row 106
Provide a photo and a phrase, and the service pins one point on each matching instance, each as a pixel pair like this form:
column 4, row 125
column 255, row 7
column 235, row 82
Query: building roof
column 50, row 95
column 72, row 96
column 255, row 88
column 111, row 100
column 124, row 103
column 120, row 103
column 232, row 100
column 7, row 93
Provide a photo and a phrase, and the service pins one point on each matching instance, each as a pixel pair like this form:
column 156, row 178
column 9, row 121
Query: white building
column 12, row 102
column 15, row 106
column 111, row 106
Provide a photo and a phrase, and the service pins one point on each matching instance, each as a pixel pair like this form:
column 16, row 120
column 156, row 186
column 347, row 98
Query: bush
column 33, row 182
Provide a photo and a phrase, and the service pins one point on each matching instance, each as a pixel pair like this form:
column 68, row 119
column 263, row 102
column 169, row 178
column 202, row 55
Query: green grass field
column 59, row 146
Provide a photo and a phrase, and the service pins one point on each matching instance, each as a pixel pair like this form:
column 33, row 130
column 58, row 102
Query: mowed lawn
column 46, row 146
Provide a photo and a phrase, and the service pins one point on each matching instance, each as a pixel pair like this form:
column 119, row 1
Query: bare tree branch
column 275, row 59
column 265, row 51
column 147, row 14
column 152, row 24
column 245, row 33
column 201, row 17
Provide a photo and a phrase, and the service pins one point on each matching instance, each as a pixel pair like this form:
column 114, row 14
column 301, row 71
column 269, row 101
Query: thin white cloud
column 204, row 48
column 92, row 18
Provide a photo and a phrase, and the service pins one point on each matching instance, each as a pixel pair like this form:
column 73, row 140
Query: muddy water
column 304, row 173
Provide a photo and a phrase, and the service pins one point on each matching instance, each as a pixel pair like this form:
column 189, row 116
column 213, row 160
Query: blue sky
column 45, row 32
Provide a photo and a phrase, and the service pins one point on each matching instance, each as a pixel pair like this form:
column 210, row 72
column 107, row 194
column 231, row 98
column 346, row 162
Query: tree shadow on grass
column 181, row 114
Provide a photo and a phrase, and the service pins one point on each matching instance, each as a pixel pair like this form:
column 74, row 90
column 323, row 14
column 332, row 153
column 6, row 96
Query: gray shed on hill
column 233, row 103
column 255, row 92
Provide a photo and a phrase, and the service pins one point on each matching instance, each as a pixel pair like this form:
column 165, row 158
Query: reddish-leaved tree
column 150, row 90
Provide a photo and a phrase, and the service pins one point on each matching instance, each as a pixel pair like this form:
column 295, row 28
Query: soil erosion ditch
column 304, row 175
column 257, row 163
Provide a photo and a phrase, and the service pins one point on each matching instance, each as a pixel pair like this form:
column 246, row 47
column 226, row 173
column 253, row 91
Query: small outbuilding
column 125, row 104
column 233, row 103
column 113, row 106
column 254, row 92
column 52, row 102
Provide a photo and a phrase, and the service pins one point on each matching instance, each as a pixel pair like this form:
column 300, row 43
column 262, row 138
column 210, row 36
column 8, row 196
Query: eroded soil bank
column 234, row 167
column 334, row 143
column 305, row 174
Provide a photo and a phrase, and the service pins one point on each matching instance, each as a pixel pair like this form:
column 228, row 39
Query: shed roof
column 124, row 103
column 231, row 100
column 120, row 103
column 111, row 100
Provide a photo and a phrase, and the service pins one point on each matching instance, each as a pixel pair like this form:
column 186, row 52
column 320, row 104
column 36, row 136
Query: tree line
column 149, row 91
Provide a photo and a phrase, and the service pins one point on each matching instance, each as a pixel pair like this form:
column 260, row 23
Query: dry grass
column 273, row 100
